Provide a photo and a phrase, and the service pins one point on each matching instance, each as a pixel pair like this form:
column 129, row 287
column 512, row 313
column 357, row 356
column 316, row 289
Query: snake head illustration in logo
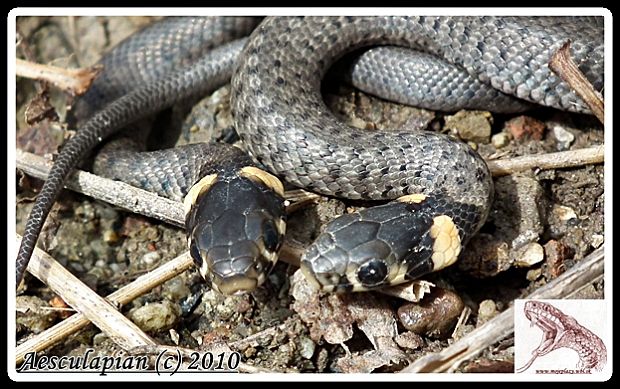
column 561, row 330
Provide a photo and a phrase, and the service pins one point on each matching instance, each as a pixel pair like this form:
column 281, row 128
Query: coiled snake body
column 443, row 187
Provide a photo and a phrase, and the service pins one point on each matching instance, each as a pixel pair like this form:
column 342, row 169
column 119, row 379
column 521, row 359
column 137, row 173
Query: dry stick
column 126, row 294
column 448, row 360
column 73, row 81
column 562, row 159
column 563, row 65
column 151, row 205
column 114, row 192
column 100, row 312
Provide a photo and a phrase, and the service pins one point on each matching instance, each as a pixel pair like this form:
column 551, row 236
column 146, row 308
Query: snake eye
column 271, row 236
column 372, row 273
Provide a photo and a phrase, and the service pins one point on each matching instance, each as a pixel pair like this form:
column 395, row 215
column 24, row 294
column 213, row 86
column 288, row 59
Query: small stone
column 528, row 255
column 174, row 336
column 409, row 340
column 176, row 289
column 86, row 212
column 249, row 352
column 500, row 140
column 434, row 316
column 472, row 126
column 563, row 137
column 486, row 311
column 100, row 339
column 358, row 123
column 155, row 317
column 307, row 347
column 197, row 336
column 556, row 252
column 110, row 236
column 563, row 213
column 525, row 127
column 533, row 274
column 597, row 240
column 149, row 259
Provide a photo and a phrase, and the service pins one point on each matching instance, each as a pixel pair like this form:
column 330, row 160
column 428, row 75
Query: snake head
column 383, row 245
column 235, row 226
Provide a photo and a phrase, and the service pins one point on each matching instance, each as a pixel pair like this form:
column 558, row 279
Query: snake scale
column 443, row 188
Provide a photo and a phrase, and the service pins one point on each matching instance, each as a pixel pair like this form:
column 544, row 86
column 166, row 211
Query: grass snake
column 235, row 217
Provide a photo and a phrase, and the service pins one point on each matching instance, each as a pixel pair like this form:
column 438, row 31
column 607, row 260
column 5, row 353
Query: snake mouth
column 236, row 275
column 236, row 285
column 548, row 319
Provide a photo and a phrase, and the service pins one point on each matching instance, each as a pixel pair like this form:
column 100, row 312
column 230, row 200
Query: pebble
column 86, row 212
column 528, row 255
column 409, row 340
column 307, row 347
column 563, row 213
column 556, row 252
column 155, row 317
column 100, row 339
column 597, row 240
column 110, row 236
column 533, row 274
column 563, row 137
column 358, row 123
column 174, row 336
column 249, row 352
column 472, row 126
column 486, row 311
column 500, row 140
column 434, row 316
column 149, row 259
column 525, row 127
column 486, row 257
column 176, row 289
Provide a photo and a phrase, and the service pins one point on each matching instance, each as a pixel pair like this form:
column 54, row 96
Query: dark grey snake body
column 285, row 125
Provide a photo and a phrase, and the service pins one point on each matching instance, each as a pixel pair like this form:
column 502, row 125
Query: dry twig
column 80, row 297
column 565, row 67
column 121, row 297
column 73, row 81
column 561, row 159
